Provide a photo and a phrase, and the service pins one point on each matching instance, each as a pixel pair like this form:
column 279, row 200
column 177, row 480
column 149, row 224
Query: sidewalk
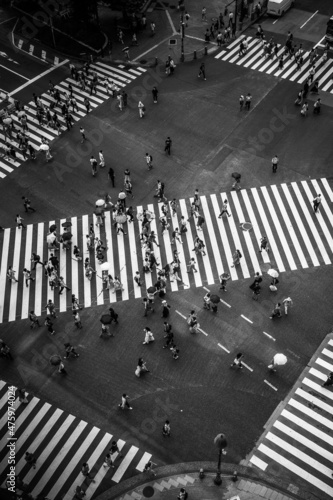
column 251, row 484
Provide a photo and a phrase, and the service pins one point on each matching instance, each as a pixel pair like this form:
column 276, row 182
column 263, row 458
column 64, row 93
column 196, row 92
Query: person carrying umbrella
column 223, row 281
column 278, row 359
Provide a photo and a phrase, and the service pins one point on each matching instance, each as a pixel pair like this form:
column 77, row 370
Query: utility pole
column 182, row 33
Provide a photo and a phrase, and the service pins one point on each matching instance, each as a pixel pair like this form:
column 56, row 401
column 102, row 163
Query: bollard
column 195, row 54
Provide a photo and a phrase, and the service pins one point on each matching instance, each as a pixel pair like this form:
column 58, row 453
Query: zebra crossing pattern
column 298, row 239
column 118, row 74
column 61, row 443
column 255, row 59
column 299, row 438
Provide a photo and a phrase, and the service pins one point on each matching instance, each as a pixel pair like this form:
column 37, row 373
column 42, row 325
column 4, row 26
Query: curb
column 227, row 471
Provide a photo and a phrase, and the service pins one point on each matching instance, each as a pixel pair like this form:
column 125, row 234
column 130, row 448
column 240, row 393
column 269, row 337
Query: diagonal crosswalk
column 298, row 239
column 118, row 74
column 256, row 60
column 61, row 443
column 299, row 439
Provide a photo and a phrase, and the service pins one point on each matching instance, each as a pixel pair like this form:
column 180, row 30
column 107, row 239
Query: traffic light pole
column 182, row 34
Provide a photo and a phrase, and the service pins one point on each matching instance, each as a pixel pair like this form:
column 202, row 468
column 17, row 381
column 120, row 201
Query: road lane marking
column 224, row 348
column 246, row 319
column 38, row 76
column 309, row 19
column 270, row 385
column 15, row 73
column 269, row 336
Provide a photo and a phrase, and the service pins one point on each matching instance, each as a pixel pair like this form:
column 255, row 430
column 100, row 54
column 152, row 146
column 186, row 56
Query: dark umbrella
column 67, row 236
column 226, row 276
column 151, row 289
column 55, row 360
column 106, row 319
column 215, row 299
column 53, row 228
column 236, row 175
column 66, row 224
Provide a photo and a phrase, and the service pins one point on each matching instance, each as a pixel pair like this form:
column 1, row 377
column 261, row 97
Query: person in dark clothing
column 111, row 176
column 168, row 143
column 114, row 315
column 329, row 380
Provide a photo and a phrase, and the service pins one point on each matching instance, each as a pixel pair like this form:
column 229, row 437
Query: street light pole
column 221, row 443
column 182, row 33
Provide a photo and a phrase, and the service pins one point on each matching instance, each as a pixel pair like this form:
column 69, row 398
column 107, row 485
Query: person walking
column 19, row 222
column 86, row 471
column 101, row 159
column 149, row 337
column 238, row 360
column 35, row 259
column 48, row 323
column 200, row 222
column 166, row 430
column 108, row 461
column 30, row 459
column 191, row 266
column 70, row 351
column 248, row 100
column 287, row 302
column 223, row 281
column 149, row 468
column 167, row 147
column 77, row 320
column 316, row 203
column 207, row 302
column 5, row 350
column 93, row 163
column 62, row 285
column 317, row 106
column 236, row 257
column 50, row 307
column 202, row 71
column 183, row 495
column 11, row 275
column 149, row 160
column 329, row 380
column 275, row 162
column 124, row 403
column 137, row 279
column 141, row 367
column 155, row 94
column 276, row 311
column 34, row 320
column 105, row 331
column 22, row 395
column 27, row 204
column 165, row 309
column 27, row 276
column 263, row 244
column 168, row 335
column 241, row 102
column 176, row 236
column 224, row 209
column 141, row 108
column 114, row 315
column 83, row 135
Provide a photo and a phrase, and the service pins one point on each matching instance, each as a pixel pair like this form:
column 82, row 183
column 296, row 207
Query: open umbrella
column 105, row 266
column 215, row 299
column 106, row 319
column 44, row 147
column 125, row 48
column 121, row 195
column 52, row 228
column 121, row 218
column 66, row 224
column 67, row 236
column 151, row 289
column 236, row 175
column 21, row 113
column 55, row 360
column 246, row 226
column 100, row 203
column 273, row 273
column 280, row 359
column 226, row 276
column 7, row 121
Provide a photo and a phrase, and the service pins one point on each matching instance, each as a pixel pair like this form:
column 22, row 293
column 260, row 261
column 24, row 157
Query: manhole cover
column 148, row 491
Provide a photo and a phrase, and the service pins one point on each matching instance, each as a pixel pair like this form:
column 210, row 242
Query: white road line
column 312, row 399
column 190, row 243
column 224, row 348
column 39, row 270
column 224, row 238
column 324, row 203
column 63, row 270
column 32, row 80
column 14, row 285
column 180, row 314
column 246, row 319
column 134, row 257
column 50, row 293
column 292, row 467
column 300, row 226
column 303, row 424
column 327, row 353
column 310, row 222
column 144, row 460
column 246, row 366
column 212, row 236
column 180, row 250
column 246, row 234
column 109, row 251
column 319, row 216
column 255, row 225
column 75, row 263
column 328, row 188
column 205, row 258
column 168, row 250
column 237, row 242
column 269, row 336
column 126, row 461
column 27, row 265
column 86, row 282
column 147, row 276
column 153, row 227
column 279, row 229
column 255, row 460
column 270, row 385
column 122, row 265
column 267, row 226
column 289, row 226
column 306, row 22
column 99, row 282
column 15, row 73
column 310, row 413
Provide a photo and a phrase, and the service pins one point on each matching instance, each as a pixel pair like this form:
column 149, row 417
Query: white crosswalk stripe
column 299, row 438
column 298, row 238
column 255, row 59
column 120, row 76
column 61, row 443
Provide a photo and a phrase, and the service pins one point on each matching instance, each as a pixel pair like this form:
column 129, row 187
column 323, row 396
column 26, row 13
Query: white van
column 278, row 7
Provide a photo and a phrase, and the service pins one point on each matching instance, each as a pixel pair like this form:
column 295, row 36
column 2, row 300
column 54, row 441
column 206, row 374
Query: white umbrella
column 280, row 359
column 273, row 273
column 100, row 203
column 50, row 238
column 44, row 147
column 105, row 266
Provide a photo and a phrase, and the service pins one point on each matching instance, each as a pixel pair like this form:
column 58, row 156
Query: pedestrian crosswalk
column 298, row 239
column 256, row 60
column 121, row 77
column 300, row 437
column 61, row 443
